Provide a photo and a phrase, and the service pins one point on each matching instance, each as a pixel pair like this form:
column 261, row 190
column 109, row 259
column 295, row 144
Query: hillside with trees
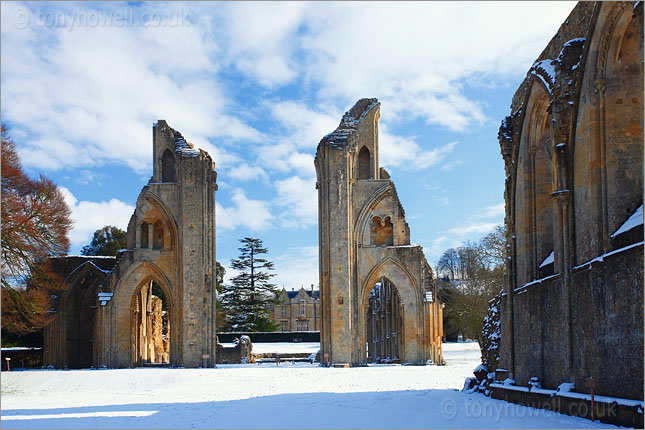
column 470, row 280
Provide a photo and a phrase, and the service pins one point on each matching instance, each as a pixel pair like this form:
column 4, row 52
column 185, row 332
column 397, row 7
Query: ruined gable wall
column 184, row 266
column 352, row 249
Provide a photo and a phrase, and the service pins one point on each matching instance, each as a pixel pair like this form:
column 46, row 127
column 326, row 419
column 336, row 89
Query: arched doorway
column 80, row 326
column 79, row 315
column 151, row 324
column 384, row 323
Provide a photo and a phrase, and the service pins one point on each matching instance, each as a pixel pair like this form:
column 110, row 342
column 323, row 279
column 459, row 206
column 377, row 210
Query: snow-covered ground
column 267, row 396
column 282, row 347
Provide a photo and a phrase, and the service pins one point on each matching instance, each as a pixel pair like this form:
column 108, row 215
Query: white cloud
column 86, row 177
column 397, row 151
column 472, row 229
column 494, row 211
column 297, row 133
column 450, row 165
column 442, row 200
column 305, row 125
column 244, row 172
column 260, row 39
column 415, row 58
column 89, row 96
column 301, row 201
column 463, row 230
column 90, row 216
column 244, row 213
column 296, row 267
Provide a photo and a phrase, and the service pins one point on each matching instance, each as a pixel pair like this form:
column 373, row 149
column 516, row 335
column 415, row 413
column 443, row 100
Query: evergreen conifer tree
column 248, row 298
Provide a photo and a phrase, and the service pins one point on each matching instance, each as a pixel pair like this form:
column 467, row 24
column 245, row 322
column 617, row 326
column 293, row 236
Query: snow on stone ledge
column 602, row 257
column 545, row 71
column 633, row 221
column 548, row 260
column 184, row 148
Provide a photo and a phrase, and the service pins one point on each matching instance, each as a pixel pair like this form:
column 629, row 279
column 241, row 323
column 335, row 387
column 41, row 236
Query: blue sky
column 257, row 85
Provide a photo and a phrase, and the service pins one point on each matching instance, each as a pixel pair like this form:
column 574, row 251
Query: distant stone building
column 378, row 296
column 155, row 302
column 298, row 310
column 573, row 149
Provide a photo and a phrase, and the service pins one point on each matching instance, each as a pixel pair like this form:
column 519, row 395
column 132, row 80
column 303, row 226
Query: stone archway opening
column 151, row 324
column 80, row 325
column 384, row 323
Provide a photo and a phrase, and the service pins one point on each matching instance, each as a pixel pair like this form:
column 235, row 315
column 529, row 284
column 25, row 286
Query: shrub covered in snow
column 491, row 334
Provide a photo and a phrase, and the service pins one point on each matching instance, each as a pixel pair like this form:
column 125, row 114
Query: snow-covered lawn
column 282, row 347
column 266, row 396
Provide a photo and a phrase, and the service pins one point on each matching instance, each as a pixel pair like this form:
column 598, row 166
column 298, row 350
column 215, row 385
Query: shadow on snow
column 434, row 408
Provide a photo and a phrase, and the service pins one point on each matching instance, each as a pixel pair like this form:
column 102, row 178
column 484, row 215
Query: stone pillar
column 605, row 241
column 151, row 235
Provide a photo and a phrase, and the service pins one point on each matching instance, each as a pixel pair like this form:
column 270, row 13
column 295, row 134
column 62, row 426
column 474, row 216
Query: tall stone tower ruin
column 378, row 297
column 155, row 303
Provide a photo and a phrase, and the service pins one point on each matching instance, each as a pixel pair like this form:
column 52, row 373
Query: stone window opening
column 381, row 231
column 542, row 181
column 622, row 145
column 167, row 166
column 283, row 311
column 302, row 309
column 158, row 235
column 283, row 326
column 144, row 234
column 364, row 163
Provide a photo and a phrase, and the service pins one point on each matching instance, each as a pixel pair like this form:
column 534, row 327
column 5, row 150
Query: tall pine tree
column 247, row 299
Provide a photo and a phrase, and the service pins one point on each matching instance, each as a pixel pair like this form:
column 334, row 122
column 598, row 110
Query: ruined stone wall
column 241, row 353
column 68, row 341
column 171, row 242
column 578, row 313
column 183, row 265
column 363, row 237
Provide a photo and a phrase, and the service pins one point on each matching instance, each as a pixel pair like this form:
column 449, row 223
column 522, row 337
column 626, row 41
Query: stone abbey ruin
column 572, row 306
column 155, row 302
column 376, row 288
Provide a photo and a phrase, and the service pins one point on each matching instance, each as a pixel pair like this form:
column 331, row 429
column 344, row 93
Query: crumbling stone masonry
column 572, row 306
column 241, row 353
column 376, row 288
column 110, row 314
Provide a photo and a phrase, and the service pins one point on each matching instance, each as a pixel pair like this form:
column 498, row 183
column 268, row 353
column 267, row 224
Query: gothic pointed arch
column 408, row 301
column 533, row 187
column 364, row 163
column 621, row 72
column 83, row 270
column 128, row 312
column 142, row 268
column 393, row 269
column 366, row 212
column 168, row 220
column 79, row 304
